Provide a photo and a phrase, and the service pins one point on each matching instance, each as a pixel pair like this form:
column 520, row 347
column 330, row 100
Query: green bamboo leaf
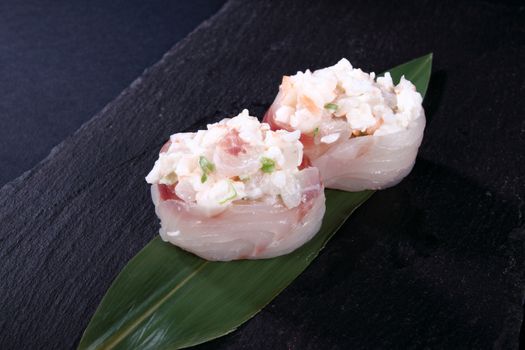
column 417, row 71
column 168, row 298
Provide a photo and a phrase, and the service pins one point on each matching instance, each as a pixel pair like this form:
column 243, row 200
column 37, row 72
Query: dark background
column 62, row 61
column 437, row 261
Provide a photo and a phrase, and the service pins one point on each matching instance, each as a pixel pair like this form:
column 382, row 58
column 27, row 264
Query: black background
column 437, row 261
column 62, row 61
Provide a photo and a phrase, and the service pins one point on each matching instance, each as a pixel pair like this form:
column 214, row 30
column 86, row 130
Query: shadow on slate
column 406, row 280
column 437, row 261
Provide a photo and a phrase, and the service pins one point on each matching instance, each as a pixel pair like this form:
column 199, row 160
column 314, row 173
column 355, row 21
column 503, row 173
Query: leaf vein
column 119, row 336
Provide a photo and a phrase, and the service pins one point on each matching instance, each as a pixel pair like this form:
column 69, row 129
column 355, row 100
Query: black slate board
column 61, row 61
column 437, row 261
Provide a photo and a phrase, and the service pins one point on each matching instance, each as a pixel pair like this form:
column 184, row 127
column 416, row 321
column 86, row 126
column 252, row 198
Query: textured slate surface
column 62, row 61
column 437, row 261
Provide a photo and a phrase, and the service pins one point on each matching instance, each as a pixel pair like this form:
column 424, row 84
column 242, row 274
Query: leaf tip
column 430, row 57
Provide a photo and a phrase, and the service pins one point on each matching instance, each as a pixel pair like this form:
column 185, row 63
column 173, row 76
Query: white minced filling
column 314, row 102
column 205, row 172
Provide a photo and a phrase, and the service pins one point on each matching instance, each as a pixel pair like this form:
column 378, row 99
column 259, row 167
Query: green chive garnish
column 316, row 131
column 234, row 194
column 206, row 167
column 331, row 107
column 268, row 165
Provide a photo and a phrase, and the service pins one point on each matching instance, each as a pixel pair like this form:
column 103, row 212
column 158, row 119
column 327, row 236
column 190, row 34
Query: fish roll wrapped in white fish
column 236, row 191
column 361, row 132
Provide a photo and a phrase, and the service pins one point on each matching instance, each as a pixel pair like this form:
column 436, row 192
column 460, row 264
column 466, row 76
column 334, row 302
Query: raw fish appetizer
column 362, row 132
column 237, row 190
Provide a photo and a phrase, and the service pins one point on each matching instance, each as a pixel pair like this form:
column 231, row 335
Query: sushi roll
column 362, row 132
column 237, row 190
